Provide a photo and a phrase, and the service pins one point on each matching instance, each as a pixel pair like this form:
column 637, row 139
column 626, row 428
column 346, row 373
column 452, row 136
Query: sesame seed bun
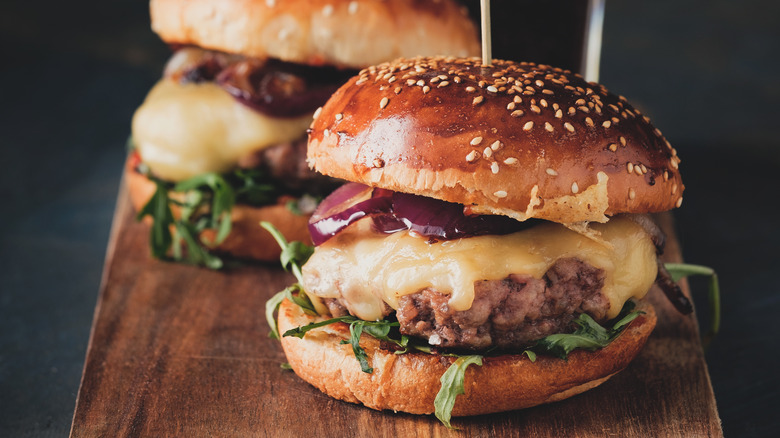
column 247, row 240
column 518, row 139
column 409, row 382
column 346, row 33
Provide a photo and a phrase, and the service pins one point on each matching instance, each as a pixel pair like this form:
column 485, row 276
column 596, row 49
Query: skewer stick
column 487, row 56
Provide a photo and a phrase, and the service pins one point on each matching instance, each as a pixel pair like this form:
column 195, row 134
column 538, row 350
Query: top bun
column 518, row 139
column 345, row 33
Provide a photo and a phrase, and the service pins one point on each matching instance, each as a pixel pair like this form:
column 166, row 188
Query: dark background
column 72, row 73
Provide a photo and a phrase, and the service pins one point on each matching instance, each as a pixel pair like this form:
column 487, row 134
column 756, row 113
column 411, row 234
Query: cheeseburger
column 219, row 143
column 495, row 223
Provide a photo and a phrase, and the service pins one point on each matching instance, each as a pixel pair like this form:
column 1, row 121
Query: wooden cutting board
column 182, row 351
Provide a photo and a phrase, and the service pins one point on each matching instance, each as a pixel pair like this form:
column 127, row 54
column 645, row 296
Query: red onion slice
column 344, row 206
column 394, row 211
column 438, row 219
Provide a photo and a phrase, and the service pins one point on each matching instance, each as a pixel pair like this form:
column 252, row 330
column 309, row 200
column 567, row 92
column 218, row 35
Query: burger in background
column 219, row 143
column 496, row 213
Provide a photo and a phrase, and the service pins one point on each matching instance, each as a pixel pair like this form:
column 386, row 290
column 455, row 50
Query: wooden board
column 182, row 351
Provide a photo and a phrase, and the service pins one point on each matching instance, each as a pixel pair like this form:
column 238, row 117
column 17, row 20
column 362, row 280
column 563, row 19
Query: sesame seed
column 556, row 106
column 674, row 164
column 500, row 194
column 606, row 124
column 517, row 113
column 383, row 103
column 551, row 172
column 666, row 175
column 510, row 106
column 548, row 127
column 317, row 112
column 487, row 153
column 327, row 10
column 615, row 120
column 398, row 90
column 477, row 100
column 536, row 109
column 443, row 84
column 492, row 89
column 435, row 80
column 613, row 147
column 528, row 126
column 456, row 79
column 410, row 82
column 378, row 162
column 392, row 79
column 679, row 202
column 443, row 77
column 589, row 121
column 568, row 127
column 481, row 84
column 326, row 133
column 644, row 169
column 361, row 81
column 674, row 188
column 420, row 83
column 574, row 187
column 353, row 7
column 630, row 167
column 518, row 99
column 496, row 145
column 510, row 161
column 426, row 89
column 638, row 170
column 580, row 102
column 472, row 156
column 471, row 89
column 572, row 111
column 623, row 140
column 539, row 83
column 543, row 103
column 558, row 114
column 339, row 116
column 476, row 140
column 631, row 193
column 494, row 167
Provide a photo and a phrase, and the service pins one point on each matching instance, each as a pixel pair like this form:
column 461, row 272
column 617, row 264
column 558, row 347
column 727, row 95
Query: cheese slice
column 184, row 130
column 369, row 269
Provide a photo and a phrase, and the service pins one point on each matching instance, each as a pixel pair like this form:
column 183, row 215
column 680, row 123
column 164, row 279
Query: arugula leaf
column 301, row 299
column 223, row 197
column 252, row 186
column 285, row 366
column 355, row 330
column 680, row 270
column 298, row 332
column 589, row 334
column 452, row 387
column 160, row 238
column 294, row 254
column 206, row 204
column 271, row 306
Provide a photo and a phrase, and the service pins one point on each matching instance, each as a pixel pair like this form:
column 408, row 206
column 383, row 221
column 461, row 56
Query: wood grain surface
column 182, row 351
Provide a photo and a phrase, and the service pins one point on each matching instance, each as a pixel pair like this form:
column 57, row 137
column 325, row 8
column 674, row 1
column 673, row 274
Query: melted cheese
column 369, row 269
column 184, row 130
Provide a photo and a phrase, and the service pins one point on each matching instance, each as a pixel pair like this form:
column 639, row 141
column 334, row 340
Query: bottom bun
column 247, row 239
column 409, row 382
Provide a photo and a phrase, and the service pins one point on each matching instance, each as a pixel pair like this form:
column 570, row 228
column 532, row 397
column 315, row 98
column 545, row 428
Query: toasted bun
column 247, row 239
column 409, row 382
column 348, row 33
column 518, row 139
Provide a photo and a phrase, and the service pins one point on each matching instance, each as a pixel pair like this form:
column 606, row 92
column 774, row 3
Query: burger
column 219, row 143
column 495, row 223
